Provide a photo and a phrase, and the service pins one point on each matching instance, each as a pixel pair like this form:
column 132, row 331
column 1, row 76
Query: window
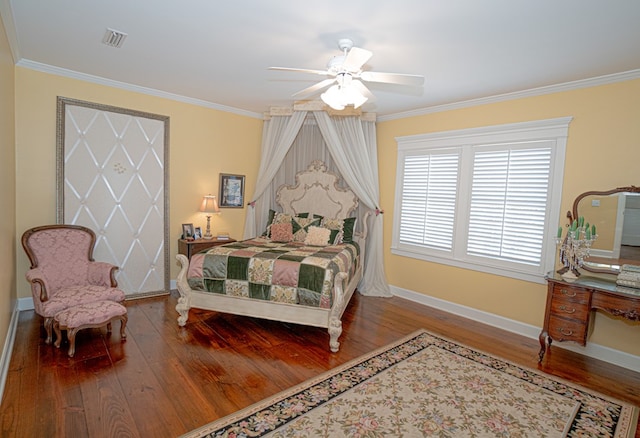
column 483, row 198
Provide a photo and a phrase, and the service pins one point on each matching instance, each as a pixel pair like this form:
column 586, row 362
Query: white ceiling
column 218, row 52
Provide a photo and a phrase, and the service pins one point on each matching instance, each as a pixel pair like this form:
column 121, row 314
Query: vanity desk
column 571, row 305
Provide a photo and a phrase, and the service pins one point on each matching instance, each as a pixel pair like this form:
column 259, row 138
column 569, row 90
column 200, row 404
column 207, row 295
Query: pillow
column 282, row 232
column 341, row 229
column 301, row 225
column 317, row 236
column 272, row 215
column 349, row 229
column 335, row 228
column 278, row 218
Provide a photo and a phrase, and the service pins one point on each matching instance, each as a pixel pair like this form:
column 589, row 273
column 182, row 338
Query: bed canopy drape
column 352, row 148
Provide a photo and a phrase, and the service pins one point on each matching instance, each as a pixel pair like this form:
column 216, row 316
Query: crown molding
column 567, row 86
column 45, row 68
column 539, row 91
column 6, row 14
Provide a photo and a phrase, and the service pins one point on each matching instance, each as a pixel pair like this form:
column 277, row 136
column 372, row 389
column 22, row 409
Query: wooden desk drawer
column 562, row 329
column 568, row 293
column 569, row 309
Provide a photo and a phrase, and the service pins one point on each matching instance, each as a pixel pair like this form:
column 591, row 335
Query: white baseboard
column 595, row 351
column 7, row 350
column 25, row 304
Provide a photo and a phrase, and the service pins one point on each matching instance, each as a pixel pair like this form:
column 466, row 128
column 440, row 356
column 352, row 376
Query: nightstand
column 191, row 247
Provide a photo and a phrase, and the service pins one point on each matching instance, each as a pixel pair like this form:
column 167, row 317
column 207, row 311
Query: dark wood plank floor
column 166, row 380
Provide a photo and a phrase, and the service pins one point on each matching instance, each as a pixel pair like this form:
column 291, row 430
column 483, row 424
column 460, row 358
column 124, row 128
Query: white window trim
column 550, row 129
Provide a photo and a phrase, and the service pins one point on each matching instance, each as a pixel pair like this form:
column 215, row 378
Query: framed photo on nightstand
column 188, row 232
column 231, row 191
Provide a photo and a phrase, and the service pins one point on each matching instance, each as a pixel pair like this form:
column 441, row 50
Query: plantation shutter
column 509, row 199
column 428, row 205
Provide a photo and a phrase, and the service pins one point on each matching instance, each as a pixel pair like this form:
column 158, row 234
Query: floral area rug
column 424, row 385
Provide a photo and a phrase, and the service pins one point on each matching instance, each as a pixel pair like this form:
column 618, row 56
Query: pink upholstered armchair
column 63, row 273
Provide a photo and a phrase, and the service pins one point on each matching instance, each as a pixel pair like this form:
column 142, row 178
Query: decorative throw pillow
column 278, row 218
column 282, row 232
column 348, row 229
column 317, row 236
column 281, row 218
column 272, row 215
column 342, row 229
column 301, row 226
column 335, row 227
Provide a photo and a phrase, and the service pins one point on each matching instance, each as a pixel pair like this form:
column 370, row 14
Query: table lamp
column 210, row 207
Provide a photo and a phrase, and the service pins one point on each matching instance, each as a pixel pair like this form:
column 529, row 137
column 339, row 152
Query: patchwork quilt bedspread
column 259, row 268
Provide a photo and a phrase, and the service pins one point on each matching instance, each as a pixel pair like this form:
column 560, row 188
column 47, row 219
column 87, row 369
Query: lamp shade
column 210, row 204
column 343, row 94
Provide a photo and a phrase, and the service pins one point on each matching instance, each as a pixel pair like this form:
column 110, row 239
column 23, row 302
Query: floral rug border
column 264, row 417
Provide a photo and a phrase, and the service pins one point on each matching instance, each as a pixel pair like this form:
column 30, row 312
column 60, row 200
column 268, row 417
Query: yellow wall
column 7, row 187
column 603, row 152
column 203, row 143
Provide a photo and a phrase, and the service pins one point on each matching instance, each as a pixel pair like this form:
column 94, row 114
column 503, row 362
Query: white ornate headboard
column 316, row 191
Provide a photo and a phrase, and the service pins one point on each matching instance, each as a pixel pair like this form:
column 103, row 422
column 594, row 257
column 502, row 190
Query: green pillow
column 348, row 229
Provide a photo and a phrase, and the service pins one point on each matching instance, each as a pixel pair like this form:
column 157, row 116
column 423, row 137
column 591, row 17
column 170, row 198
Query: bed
column 307, row 276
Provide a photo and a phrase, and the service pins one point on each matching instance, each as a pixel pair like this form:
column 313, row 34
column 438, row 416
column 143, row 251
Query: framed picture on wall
column 231, row 191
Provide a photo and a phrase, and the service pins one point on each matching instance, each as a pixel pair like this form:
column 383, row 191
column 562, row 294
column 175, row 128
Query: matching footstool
column 90, row 315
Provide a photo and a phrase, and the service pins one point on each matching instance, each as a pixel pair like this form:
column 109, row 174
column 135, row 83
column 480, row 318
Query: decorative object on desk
column 210, row 207
column 198, row 233
column 575, row 246
column 629, row 276
column 188, row 231
column 223, row 236
column 426, row 385
column 231, row 191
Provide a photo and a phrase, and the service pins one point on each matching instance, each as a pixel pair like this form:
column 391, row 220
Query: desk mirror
column 616, row 214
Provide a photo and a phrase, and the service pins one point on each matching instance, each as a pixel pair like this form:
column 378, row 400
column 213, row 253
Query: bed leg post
column 184, row 302
column 335, row 314
column 335, row 330
column 183, row 309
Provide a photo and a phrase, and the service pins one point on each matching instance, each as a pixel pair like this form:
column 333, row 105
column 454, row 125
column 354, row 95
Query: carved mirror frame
column 575, row 214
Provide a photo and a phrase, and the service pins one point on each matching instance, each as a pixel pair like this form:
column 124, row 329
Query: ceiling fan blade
column 302, row 70
column 356, row 58
column 314, row 88
column 363, row 90
column 392, row 78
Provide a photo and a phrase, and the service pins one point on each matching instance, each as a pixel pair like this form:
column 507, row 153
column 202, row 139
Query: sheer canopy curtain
column 347, row 145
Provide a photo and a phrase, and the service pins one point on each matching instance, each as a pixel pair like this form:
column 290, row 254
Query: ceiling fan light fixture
column 338, row 97
column 333, row 98
column 354, row 97
column 343, row 93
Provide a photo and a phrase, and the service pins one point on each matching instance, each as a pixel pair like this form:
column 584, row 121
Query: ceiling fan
column 346, row 75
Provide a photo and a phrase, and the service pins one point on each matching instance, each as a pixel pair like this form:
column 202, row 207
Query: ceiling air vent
column 114, row 38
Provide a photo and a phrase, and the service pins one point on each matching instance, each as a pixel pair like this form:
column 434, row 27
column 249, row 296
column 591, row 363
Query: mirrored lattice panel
column 114, row 183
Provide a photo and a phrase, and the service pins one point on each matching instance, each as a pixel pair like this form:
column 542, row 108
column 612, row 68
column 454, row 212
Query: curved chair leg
column 123, row 325
column 48, row 323
column 71, row 334
column 56, row 328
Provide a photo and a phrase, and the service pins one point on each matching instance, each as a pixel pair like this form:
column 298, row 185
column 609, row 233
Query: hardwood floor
column 166, row 380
